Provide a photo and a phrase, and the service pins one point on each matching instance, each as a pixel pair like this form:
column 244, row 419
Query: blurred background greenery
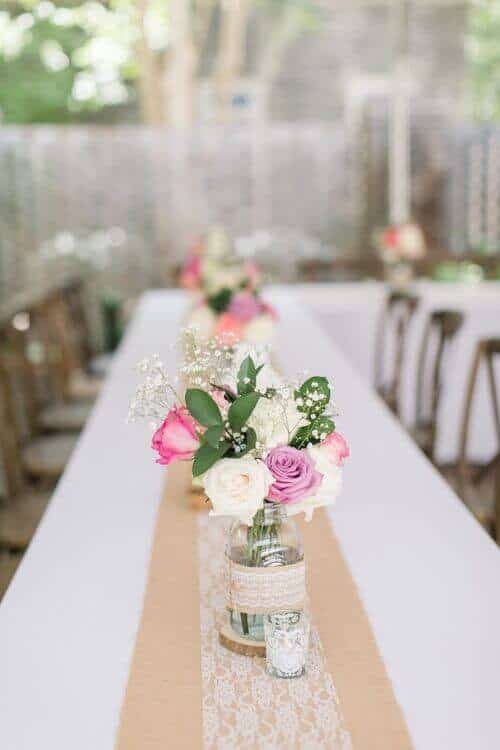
column 108, row 61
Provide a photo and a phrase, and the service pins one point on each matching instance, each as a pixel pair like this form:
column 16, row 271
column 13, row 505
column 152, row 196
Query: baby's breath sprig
column 156, row 395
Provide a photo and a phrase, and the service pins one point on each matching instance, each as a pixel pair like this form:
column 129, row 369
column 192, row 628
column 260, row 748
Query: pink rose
column 191, row 273
column 245, row 307
column 177, row 438
column 295, row 476
column 268, row 309
column 390, row 237
column 229, row 329
column 337, row 448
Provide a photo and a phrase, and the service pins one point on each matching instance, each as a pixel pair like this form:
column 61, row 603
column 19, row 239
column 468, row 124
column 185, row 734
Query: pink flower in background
column 220, row 400
column 295, row 476
column 191, row 273
column 390, row 237
column 197, row 248
column 253, row 274
column 337, row 448
column 177, row 438
column 229, row 329
column 245, row 307
column 268, row 309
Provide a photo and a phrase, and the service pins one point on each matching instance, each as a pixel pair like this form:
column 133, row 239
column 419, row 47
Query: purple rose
column 294, row 474
column 245, row 307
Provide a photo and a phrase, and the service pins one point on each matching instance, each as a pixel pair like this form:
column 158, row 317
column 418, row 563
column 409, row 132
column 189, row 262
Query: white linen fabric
column 350, row 313
column 427, row 573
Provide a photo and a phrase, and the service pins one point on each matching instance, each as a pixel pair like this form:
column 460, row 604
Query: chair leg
column 497, row 502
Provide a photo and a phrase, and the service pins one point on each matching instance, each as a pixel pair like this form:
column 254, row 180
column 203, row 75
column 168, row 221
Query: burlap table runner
column 186, row 691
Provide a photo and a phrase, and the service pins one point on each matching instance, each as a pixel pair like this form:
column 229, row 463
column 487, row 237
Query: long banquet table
column 427, row 574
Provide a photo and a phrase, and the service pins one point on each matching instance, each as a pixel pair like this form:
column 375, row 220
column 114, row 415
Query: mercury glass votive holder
column 287, row 641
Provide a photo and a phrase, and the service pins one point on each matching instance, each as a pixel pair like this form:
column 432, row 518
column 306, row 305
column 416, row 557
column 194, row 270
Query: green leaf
column 202, row 407
column 313, row 433
column 241, row 409
column 247, row 376
column 206, row 456
column 220, row 302
column 213, row 435
column 313, row 396
column 250, row 441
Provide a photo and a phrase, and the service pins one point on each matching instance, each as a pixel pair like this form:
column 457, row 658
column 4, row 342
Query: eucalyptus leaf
column 206, row 456
column 314, row 433
column 313, row 396
column 247, row 376
column 202, row 407
column 213, row 435
column 241, row 409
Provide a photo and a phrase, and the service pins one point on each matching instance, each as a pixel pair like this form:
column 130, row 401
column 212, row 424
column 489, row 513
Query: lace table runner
column 186, row 691
column 243, row 707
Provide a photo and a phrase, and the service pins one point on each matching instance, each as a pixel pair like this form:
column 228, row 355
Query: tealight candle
column 287, row 639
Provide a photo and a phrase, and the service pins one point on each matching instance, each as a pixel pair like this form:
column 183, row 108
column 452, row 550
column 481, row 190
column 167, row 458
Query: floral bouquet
column 252, row 438
column 404, row 243
column 228, row 292
column 263, row 450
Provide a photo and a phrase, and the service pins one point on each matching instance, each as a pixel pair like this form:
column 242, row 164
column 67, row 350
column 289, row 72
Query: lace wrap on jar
column 264, row 590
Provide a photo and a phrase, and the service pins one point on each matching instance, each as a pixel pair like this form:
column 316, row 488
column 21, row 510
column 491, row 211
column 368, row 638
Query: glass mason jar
column 272, row 539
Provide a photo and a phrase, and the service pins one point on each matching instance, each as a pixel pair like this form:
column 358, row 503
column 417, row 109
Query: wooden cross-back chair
column 22, row 504
column 41, row 456
column 94, row 365
column 440, row 329
column 43, row 379
column 479, row 484
column 395, row 320
column 62, row 341
column 73, row 295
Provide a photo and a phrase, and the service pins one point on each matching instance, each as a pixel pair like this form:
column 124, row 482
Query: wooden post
column 399, row 120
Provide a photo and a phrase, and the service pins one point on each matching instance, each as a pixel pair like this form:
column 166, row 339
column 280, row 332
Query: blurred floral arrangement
column 252, row 438
column 227, row 292
column 403, row 243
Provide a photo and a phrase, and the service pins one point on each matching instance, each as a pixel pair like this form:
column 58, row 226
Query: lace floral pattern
column 243, row 707
column 259, row 590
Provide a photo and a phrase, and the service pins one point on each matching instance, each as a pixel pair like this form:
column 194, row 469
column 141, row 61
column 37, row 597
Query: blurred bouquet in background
column 227, row 287
column 403, row 243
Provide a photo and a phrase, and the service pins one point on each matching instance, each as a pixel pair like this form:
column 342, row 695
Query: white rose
column 203, row 320
column 329, row 489
column 260, row 330
column 237, row 487
column 217, row 276
column 275, row 421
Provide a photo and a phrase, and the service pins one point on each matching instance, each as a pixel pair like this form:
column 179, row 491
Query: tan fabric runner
column 163, row 710
column 162, row 706
column 367, row 700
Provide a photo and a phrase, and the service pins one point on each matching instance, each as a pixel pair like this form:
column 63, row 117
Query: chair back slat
column 10, row 441
column 396, row 316
column 74, row 297
column 442, row 325
column 487, row 351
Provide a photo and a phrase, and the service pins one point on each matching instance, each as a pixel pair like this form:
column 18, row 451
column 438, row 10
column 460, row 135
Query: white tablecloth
column 350, row 313
column 427, row 574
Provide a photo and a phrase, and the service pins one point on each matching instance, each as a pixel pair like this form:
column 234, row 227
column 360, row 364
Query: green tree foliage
column 482, row 50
